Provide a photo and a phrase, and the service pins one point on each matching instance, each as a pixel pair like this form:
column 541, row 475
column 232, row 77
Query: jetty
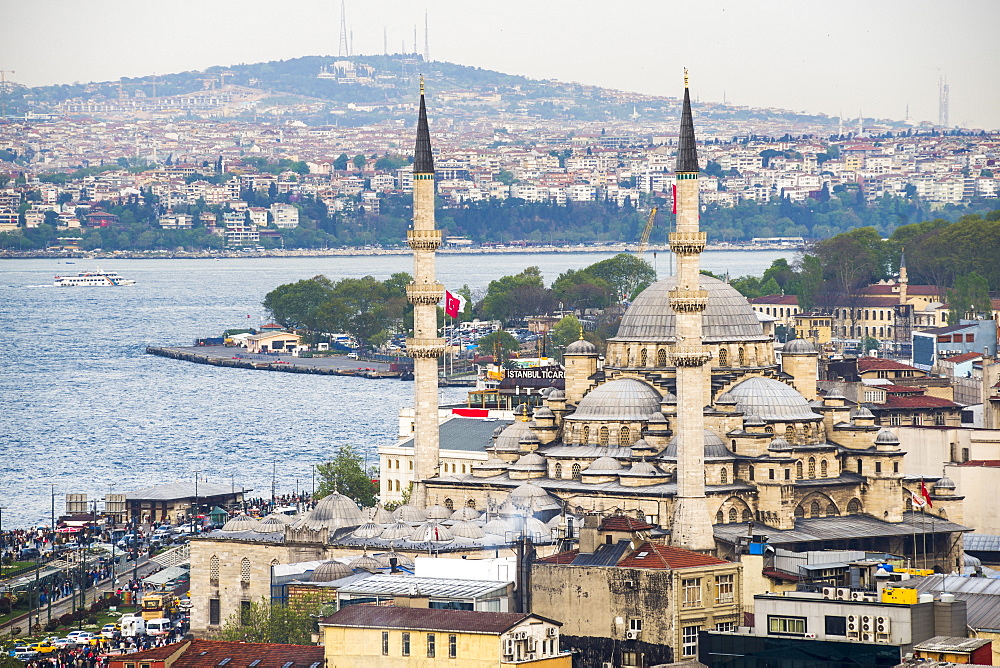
column 236, row 358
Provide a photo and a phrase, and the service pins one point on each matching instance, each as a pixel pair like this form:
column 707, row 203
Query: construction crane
column 644, row 240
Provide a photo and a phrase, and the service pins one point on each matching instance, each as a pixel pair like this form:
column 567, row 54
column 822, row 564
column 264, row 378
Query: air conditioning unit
column 508, row 647
column 632, row 635
column 881, row 624
column 551, row 631
column 810, row 635
column 843, row 594
column 521, row 635
column 871, row 598
column 857, row 596
column 866, row 624
column 867, row 637
column 829, row 592
column 607, row 664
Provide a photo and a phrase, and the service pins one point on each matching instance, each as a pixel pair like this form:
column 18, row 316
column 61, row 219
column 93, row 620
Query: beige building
column 270, row 342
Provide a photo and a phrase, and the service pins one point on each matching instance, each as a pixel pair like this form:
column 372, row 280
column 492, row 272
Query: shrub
column 66, row 619
column 52, row 625
column 5, row 605
column 92, row 619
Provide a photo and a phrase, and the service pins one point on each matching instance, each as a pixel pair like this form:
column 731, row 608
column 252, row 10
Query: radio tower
column 385, row 41
column 343, row 50
column 427, row 49
column 943, row 102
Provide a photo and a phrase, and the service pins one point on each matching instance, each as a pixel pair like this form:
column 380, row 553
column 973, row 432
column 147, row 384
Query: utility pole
column 194, row 509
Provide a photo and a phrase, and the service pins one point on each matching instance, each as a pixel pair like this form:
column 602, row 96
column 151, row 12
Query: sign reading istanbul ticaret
column 536, row 373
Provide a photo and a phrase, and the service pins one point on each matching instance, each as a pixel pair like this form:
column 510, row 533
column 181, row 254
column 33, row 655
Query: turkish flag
column 452, row 304
column 673, row 192
column 923, row 493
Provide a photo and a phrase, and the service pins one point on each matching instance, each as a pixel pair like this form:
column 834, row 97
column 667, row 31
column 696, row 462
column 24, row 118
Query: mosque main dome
column 625, row 399
column 728, row 317
column 771, row 400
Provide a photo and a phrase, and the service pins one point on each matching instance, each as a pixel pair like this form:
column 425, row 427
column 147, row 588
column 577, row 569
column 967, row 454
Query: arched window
column 602, row 436
column 733, row 515
column 823, row 469
column 557, row 471
column 750, row 471
column 743, row 357
column 812, row 467
column 798, row 470
column 831, row 510
column 586, row 435
column 245, row 573
column 732, row 444
column 789, row 433
column 628, row 356
column 643, row 357
column 747, row 515
column 814, row 509
column 861, row 467
column 213, row 571
column 807, row 431
column 724, row 476
column 471, row 503
column 661, row 357
column 719, row 518
column 769, row 429
column 854, row 507
column 723, row 357
column 800, row 511
column 449, row 504
column 624, row 437
column 576, row 471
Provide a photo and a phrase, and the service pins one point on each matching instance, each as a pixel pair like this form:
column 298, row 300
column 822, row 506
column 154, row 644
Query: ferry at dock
column 91, row 279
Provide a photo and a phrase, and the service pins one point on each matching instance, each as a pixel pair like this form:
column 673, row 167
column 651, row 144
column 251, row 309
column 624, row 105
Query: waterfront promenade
column 237, row 358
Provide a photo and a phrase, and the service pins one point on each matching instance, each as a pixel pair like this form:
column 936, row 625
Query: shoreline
column 366, row 252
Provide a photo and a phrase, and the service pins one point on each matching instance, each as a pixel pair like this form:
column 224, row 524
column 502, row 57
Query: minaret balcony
column 688, row 243
column 689, row 356
column 423, row 348
column 425, row 240
column 426, row 294
column 688, row 301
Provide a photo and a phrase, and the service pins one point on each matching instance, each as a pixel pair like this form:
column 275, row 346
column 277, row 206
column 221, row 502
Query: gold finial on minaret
column 422, row 83
column 685, row 77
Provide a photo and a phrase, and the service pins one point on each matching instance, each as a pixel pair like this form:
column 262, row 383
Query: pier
column 236, row 358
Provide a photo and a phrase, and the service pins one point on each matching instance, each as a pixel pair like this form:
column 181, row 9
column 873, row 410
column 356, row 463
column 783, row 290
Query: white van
column 159, row 627
column 133, row 626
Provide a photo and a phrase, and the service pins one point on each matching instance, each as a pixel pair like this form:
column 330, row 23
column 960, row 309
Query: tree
column 500, row 344
column 366, row 308
column 267, row 622
column 360, row 161
column 969, row 298
column 565, row 332
column 298, row 304
column 346, row 474
column 578, row 288
column 340, row 164
column 518, row 296
column 626, row 273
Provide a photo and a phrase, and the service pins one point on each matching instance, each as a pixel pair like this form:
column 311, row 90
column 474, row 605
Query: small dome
column 465, row 529
column 431, row 532
column 779, row 444
column 241, row 523
column 655, row 419
column 533, row 498
column 465, row 513
column 605, row 465
column 623, row 399
column 408, row 513
column 529, row 462
column 536, row 528
column 366, row 563
column 771, row 399
column 397, row 531
column 642, row 468
column 491, row 464
column 386, row 557
column 329, row 571
column 279, row 517
column 864, row 414
column 834, row 394
column 581, row 347
column 509, row 439
column 379, row 515
column 498, row 526
column 544, row 413
column 530, row 437
column 753, row 421
column 368, row 530
column 945, row 483
column 885, row 436
column 669, row 399
column 271, row 524
column 334, row 511
column 557, row 395
column 437, row 512
column 714, row 447
column 642, row 445
column 799, row 347
column 726, row 399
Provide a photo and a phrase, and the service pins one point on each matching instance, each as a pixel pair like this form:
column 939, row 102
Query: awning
column 168, row 575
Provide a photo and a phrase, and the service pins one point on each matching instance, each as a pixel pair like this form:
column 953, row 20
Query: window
column 823, row 469
column 788, row 473
column 812, row 467
column 786, row 626
column 213, row 572
column 385, row 643
column 689, row 640
column 743, row 357
column 918, row 420
column 747, row 515
column 770, row 474
column 635, row 625
column 643, row 357
column 602, row 436
column 244, row 612
column 831, row 510
column 878, row 467
column 836, row 626
column 733, row 515
column 214, row 616
column 814, row 509
column 406, row 644
column 661, row 357
column 861, row 467
column 726, row 627
column 586, row 435
column 853, row 507
column 723, row 357
column 895, row 419
column 692, row 592
column 624, row 437
column 750, row 470
column 449, row 504
column 471, row 503
column 724, row 589
column 452, row 646
column 798, row 470
column 724, row 477
column 631, row 659
column 789, row 433
column 576, row 472
column 719, row 517
column 431, row 642
column 557, row 471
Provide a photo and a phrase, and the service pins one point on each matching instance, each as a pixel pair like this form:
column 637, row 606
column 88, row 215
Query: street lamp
column 196, row 501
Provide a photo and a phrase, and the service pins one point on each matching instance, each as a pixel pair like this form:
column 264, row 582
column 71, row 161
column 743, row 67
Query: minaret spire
column 425, row 347
column 692, row 523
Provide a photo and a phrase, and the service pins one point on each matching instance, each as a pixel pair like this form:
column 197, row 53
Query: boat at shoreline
column 91, row 279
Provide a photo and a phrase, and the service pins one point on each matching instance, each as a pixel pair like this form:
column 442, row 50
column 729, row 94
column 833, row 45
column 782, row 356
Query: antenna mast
column 427, row 48
column 342, row 50
column 943, row 91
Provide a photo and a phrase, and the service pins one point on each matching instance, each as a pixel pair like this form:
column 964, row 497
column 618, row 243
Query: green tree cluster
column 346, row 474
column 266, row 622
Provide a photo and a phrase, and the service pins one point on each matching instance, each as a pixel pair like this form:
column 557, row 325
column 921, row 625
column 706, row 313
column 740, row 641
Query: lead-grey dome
column 624, row 399
column 533, row 498
column 581, row 347
column 728, row 316
column 945, row 483
column 799, row 347
column 509, row 439
column 329, row 571
column 334, row 511
column 714, row 447
column 885, row 436
column 771, row 400
column 604, row 465
column 529, row 462
column 242, row 523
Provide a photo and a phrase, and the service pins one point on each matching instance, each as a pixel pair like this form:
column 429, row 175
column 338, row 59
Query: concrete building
column 286, row 216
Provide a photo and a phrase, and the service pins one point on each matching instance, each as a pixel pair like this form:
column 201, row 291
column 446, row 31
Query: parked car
column 43, row 647
column 28, row 553
column 109, row 630
column 22, row 652
column 63, row 643
column 80, row 637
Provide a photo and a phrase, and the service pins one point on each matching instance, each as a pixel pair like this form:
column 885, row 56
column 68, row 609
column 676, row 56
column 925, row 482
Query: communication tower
column 943, row 102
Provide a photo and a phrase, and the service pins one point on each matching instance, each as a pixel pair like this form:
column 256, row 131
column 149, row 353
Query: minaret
column 424, row 293
column 904, row 280
column 692, row 523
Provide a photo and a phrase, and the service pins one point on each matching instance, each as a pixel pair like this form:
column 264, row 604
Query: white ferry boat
column 93, row 279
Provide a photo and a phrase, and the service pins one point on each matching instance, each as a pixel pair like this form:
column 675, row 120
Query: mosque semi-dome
column 771, row 400
column 728, row 317
column 625, row 399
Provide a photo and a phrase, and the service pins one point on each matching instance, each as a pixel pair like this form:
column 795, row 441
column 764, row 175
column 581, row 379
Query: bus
column 158, row 604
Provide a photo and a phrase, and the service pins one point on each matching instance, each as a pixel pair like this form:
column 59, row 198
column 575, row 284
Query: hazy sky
column 875, row 56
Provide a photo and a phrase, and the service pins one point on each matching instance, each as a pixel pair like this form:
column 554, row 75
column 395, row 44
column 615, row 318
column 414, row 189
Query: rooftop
column 880, row 364
column 464, row 433
column 654, row 555
column 426, row 619
column 203, row 653
column 403, row 585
